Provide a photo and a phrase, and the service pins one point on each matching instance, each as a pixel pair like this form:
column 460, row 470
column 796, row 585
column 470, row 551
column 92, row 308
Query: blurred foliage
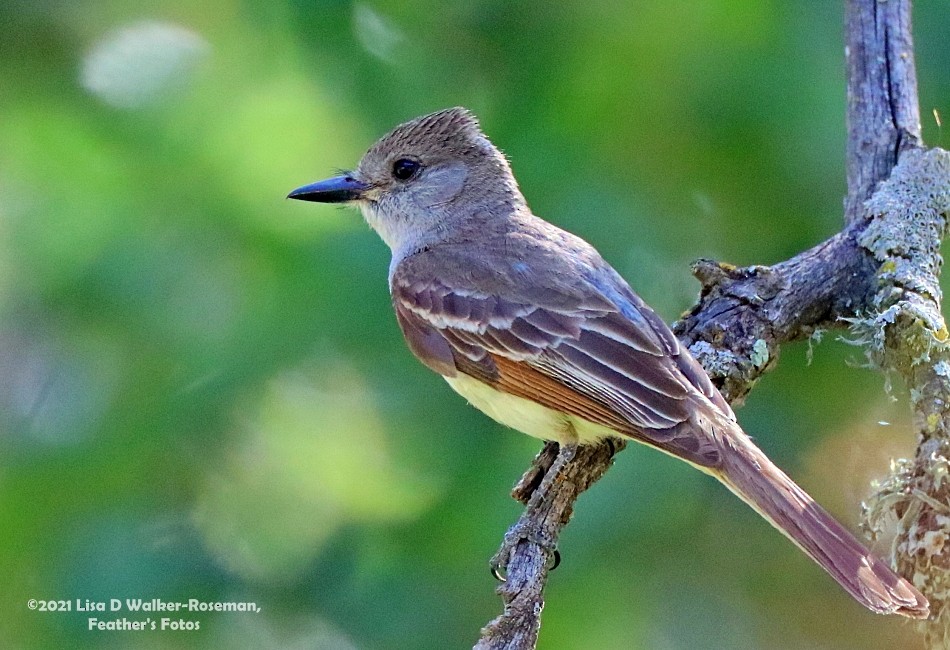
column 203, row 392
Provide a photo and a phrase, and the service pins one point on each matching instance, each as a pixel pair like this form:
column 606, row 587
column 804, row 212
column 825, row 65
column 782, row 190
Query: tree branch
column 906, row 334
column 530, row 543
column 744, row 315
column 883, row 114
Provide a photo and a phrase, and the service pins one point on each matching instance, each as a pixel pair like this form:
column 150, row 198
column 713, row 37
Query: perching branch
column 879, row 274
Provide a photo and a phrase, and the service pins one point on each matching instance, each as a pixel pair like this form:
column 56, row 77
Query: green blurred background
column 203, row 391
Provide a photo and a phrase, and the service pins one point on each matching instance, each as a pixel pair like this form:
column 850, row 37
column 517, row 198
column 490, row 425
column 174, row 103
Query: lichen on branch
column 905, row 333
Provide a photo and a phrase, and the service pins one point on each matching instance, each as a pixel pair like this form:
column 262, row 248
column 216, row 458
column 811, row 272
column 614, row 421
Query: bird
column 535, row 329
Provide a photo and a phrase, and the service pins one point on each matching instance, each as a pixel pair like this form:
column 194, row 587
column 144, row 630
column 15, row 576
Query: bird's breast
column 527, row 416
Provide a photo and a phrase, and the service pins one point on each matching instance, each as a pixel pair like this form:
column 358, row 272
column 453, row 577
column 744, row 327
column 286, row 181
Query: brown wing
column 595, row 363
column 522, row 380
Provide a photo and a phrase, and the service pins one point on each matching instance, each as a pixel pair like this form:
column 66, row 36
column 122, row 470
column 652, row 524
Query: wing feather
column 595, row 363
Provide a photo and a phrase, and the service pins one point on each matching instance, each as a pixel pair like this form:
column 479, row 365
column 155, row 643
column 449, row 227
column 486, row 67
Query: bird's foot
column 534, row 527
column 524, row 531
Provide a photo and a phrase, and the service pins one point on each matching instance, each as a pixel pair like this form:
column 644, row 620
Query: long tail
column 756, row 480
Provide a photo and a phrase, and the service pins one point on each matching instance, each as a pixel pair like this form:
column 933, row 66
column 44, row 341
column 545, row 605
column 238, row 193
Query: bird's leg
column 557, row 475
column 535, row 474
column 534, row 525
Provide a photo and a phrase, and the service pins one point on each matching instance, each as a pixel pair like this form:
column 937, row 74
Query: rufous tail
column 756, row 480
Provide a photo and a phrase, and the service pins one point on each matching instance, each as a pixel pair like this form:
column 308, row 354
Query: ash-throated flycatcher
column 534, row 328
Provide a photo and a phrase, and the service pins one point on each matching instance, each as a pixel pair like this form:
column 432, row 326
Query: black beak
column 338, row 189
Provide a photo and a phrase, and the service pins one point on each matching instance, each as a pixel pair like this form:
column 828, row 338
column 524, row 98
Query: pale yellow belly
column 527, row 416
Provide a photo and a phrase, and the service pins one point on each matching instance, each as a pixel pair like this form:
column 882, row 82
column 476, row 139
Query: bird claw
column 515, row 535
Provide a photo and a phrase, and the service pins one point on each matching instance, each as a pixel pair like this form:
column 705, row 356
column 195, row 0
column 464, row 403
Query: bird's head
column 423, row 179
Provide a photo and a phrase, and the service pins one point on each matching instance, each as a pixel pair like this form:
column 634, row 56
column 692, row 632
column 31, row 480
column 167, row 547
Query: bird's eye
column 404, row 169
